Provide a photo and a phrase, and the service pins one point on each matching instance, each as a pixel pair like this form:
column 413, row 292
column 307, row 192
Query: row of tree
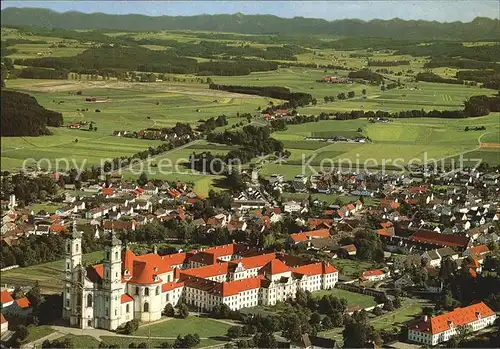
column 117, row 58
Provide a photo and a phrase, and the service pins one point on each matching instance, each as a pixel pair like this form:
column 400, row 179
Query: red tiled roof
column 57, row 228
column 385, row 231
column 314, row 222
column 472, row 273
column 255, row 261
column 351, row 207
column 207, row 271
column 459, row 317
column 349, row 248
column 23, row 302
column 314, row 234
column 432, row 237
column 274, row 267
column 168, row 286
column 5, row 297
column 386, row 224
column 416, row 190
column 126, row 298
column 375, row 272
column 107, row 191
column 315, row 269
column 144, row 273
column 232, row 288
column 481, row 249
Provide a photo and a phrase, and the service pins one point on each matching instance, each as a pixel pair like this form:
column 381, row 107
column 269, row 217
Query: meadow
column 49, row 275
column 131, row 107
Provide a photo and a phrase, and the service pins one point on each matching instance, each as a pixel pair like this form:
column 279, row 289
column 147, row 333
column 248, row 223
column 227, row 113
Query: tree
column 315, row 319
column 34, row 295
column 397, row 302
column 169, row 310
column 360, row 335
column 377, row 311
column 363, row 92
column 351, row 94
column 337, row 319
column 388, row 305
column 265, row 340
column 183, row 311
column 21, row 332
column 143, row 179
column 327, row 323
column 326, row 98
column 235, row 332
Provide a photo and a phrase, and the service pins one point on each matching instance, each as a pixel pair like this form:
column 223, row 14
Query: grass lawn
column 352, row 268
column 81, row 341
column 37, row 332
column 206, row 328
column 353, row 299
column 329, row 198
column 49, row 275
column 409, row 309
column 124, row 342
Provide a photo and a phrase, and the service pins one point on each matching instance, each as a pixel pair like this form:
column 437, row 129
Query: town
column 405, row 242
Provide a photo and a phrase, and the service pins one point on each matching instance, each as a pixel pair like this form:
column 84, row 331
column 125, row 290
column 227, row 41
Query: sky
column 439, row 10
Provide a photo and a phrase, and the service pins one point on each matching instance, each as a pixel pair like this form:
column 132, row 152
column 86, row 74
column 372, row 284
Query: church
column 128, row 286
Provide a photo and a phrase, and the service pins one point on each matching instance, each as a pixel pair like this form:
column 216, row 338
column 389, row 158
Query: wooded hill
column 479, row 28
column 23, row 116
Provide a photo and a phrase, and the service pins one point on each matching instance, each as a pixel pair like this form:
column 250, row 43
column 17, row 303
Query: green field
column 353, row 299
column 205, row 327
column 135, row 106
column 37, row 332
column 124, row 342
column 49, row 275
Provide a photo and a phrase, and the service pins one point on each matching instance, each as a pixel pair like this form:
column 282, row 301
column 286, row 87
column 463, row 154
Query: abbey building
column 127, row 286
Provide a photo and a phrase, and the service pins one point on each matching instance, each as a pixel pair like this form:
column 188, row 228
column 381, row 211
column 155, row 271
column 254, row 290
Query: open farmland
column 420, row 139
column 131, row 107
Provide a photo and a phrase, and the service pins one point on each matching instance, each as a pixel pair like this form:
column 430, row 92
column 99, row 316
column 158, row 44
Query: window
column 157, row 290
column 89, row 300
column 146, row 307
column 67, row 303
column 67, row 266
column 136, row 290
column 68, row 247
column 106, row 312
column 146, row 291
column 76, row 247
column 127, row 308
column 116, row 255
column 116, row 311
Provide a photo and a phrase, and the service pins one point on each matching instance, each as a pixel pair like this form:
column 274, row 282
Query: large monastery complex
column 126, row 286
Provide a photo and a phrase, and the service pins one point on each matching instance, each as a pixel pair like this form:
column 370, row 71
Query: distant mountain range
column 479, row 29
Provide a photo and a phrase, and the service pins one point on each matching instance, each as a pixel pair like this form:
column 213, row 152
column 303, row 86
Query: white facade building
column 126, row 286
column 438, row 329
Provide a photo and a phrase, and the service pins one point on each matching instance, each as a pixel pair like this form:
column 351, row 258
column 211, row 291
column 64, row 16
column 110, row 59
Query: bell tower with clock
column 72, row 278
column 112, row 281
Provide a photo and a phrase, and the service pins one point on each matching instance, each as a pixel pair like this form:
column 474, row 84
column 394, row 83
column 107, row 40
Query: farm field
column 131, row 107
column 49, row 275
column 397, row 142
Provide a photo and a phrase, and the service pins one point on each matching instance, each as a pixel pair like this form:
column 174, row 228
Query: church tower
column 73, row 264
column 112, row 285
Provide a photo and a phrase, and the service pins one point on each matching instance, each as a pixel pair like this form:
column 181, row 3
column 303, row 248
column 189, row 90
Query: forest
column 23, row 116
column 116, row 59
